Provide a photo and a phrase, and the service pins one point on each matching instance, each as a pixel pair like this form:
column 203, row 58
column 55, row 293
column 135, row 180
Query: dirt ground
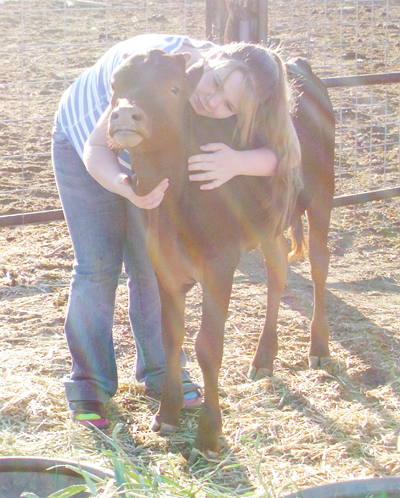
column 300, row 428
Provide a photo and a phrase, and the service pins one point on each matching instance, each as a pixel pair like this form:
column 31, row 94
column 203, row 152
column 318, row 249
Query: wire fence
column 367, row 154
column 343, row 38
column 46, row 44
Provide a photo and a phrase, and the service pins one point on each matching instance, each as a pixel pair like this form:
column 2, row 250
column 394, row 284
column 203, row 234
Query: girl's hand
column 149, row 201
column 216, row 167
column 223, row 163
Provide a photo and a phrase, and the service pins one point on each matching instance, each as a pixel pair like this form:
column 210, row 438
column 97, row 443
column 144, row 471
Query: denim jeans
column 106, row 232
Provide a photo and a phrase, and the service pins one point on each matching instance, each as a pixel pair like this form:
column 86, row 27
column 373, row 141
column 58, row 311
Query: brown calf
column 198, row 235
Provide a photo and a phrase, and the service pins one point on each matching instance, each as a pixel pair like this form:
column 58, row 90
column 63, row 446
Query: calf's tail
column 298, row 240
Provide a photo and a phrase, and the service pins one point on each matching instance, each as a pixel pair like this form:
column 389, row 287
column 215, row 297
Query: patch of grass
column 140, row 480
column 388, row 232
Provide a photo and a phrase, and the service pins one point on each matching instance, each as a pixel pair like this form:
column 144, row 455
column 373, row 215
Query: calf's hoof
column 256, row 374
column 209, row 455
column 162, row 428
column 318, row 362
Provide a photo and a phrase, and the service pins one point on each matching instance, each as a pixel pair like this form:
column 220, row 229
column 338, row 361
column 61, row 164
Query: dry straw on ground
column 300, row 428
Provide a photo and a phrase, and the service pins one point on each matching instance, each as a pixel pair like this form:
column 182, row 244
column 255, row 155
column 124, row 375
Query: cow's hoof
column 318, row 362
column 211, row 456
column 162, row 428
column 259, row 373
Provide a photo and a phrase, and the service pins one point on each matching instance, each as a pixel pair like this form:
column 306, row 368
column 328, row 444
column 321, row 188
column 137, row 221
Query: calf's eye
column 175, row 90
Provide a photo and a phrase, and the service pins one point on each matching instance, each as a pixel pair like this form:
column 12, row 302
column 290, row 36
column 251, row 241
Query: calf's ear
column 187, row 56
column 194, row 74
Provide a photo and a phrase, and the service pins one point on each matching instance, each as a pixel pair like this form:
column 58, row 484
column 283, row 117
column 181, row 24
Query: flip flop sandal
column 191, row 400
column 89, row 414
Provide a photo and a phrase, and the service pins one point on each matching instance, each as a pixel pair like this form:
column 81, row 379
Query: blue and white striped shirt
column 89, row 95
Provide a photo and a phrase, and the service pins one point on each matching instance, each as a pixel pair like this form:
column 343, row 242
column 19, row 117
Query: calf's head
column 149, row 93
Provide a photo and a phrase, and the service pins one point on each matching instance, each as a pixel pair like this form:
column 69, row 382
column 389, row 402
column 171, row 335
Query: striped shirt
column 86, row 99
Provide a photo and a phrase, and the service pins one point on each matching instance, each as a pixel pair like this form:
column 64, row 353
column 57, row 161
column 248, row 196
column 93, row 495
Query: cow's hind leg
column 217, row 286
column 167, row 418
column 318, row 214
column 275, row 258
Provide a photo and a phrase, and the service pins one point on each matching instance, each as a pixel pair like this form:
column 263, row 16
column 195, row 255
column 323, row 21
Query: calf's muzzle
column 128, row 124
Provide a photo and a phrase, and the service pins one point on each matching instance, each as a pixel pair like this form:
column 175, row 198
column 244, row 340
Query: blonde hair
column 264, row 114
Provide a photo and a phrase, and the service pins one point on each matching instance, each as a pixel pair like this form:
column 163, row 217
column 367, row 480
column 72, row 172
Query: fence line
column 58, row 214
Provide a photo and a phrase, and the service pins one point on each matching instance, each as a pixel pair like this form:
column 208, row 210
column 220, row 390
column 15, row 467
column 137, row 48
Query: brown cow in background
column 197, row 235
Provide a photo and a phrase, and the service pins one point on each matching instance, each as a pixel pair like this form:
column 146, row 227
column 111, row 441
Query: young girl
column 242, row 80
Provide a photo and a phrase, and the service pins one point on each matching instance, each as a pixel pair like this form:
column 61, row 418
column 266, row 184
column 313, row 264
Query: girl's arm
column 103, row 165
column 221, row 163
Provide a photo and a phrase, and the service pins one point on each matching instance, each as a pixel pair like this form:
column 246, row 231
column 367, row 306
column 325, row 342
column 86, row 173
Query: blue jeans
column 106, row 231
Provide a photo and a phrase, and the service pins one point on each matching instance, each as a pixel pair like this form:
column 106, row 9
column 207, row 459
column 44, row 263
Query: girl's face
column 214, row 100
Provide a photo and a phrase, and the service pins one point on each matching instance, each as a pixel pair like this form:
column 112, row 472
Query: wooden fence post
column 237, row 20
column 216, row 17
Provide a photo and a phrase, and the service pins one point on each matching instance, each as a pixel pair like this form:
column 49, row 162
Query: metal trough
column 43, row 476
column 385, row 487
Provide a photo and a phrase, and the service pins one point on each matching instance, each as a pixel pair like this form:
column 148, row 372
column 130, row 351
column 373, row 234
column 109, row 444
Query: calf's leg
column 167, row 418
column 318, row 214
column 275, row 259
column 217, row 286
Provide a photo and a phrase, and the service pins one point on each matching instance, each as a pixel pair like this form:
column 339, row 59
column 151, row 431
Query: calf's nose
column 127, row 112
